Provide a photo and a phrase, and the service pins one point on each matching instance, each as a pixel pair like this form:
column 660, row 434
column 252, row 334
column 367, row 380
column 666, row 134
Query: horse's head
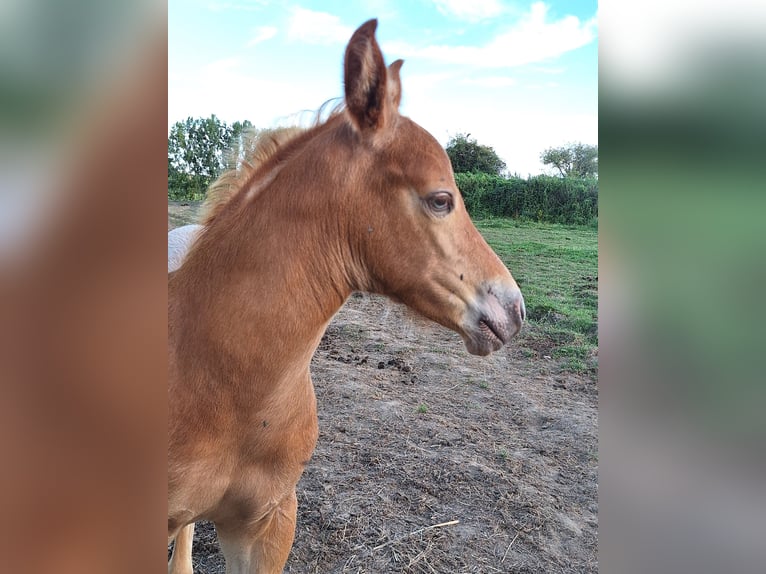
column 415, row 241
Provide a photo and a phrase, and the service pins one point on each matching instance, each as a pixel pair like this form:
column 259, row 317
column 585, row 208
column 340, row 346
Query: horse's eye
column 440, row 202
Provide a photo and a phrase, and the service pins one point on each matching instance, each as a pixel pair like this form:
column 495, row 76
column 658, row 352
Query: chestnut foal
column 365, row 201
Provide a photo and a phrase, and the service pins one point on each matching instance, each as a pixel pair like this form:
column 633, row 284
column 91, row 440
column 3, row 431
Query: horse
column 180, row 241
column 365, row 200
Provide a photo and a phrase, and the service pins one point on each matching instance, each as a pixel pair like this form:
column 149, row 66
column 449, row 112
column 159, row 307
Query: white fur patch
column 180, row 241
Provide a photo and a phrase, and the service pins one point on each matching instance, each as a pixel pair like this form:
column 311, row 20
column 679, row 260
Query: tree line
column 199, row 150
column 570, row 197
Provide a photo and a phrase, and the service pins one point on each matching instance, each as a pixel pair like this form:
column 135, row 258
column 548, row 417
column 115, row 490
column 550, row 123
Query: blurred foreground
column 683, row 131
column 82, row 286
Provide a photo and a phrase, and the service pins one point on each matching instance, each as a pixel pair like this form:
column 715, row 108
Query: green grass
column 556, row 267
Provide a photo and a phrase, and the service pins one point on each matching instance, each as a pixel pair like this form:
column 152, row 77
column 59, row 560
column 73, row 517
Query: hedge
column 571, row 201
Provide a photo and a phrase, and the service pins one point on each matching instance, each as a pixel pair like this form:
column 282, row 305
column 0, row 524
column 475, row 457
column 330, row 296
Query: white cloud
column 473, row 10
column 518, row 127
column 226, row 88
column 421, row 86
column 491, row 81
column 517, row 135
column 383, row 10
column 549, row 70
column 221, row 66
column 239, row 5
column 542, row 85
column 532, row 39
column 313, row 27
column 262, row 34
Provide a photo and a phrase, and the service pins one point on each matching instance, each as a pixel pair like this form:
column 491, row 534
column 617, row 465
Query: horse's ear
column 394, row 83
column 365, row 79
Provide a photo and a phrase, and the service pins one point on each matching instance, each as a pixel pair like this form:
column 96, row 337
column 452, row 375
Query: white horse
column 180, row 241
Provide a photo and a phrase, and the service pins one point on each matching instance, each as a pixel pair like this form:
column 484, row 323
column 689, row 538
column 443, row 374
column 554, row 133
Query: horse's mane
column 256, row 149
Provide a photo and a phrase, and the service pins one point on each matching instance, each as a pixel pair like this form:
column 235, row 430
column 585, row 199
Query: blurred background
column 681, row 257
column 83, row 128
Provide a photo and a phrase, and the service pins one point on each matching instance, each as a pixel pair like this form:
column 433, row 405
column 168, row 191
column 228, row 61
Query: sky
column 517, row 76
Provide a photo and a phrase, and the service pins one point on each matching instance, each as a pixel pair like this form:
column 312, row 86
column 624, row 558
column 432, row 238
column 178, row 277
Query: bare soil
column 433, row 460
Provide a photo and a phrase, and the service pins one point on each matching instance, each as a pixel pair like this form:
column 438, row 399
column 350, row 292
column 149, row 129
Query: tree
column 467, row 156
column 197, row 153
column 573, row 160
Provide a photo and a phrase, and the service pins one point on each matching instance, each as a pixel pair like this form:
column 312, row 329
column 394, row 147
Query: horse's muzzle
column 493, row 319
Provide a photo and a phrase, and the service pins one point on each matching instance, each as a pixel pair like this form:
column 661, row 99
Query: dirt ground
column 433, row 460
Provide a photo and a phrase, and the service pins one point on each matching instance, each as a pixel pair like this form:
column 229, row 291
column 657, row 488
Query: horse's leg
column 181, row 560
column 262, row 548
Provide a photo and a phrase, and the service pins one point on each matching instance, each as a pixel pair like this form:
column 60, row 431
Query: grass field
column 556, row 267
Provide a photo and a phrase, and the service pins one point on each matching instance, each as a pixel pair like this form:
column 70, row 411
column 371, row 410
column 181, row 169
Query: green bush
column 571, row 201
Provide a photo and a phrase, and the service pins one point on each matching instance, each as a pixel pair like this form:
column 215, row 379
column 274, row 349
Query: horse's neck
column 257, row 296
